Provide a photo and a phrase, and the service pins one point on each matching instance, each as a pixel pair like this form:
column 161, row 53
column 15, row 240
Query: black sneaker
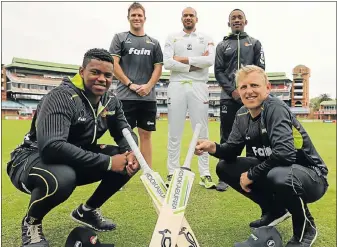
column 168, row 180
column 221, row 186
column 308, row 239
column 93, row 219
column 32, row 235
column 270, row 219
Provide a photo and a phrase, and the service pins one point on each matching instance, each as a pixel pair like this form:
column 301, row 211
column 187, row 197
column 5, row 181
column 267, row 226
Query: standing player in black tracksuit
column 60, row 151
column 235, row 50
column 285, row 172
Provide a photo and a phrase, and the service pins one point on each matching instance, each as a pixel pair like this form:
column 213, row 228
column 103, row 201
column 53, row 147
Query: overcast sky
column 291, row 33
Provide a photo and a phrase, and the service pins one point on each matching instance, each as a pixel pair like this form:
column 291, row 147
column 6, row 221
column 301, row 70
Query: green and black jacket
column 66, row 126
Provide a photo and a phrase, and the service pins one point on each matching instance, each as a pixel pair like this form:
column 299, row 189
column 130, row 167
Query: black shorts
column 141, row 114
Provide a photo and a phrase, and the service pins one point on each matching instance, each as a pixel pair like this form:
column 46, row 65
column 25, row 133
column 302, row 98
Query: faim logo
column 264, row 151
column 140, row 52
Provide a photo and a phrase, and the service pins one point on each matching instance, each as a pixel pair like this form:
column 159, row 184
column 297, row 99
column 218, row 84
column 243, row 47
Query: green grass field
column 218, row 218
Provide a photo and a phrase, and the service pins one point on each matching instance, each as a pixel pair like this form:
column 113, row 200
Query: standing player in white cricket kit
column 188, row 55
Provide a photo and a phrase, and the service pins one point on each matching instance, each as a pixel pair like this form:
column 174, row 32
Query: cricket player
column 188, row 54
column 285, row 171
column 138, row 61
column 61, row 152
column 235, row 50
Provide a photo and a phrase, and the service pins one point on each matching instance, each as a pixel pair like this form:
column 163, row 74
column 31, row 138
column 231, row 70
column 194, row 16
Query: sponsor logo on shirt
column 224, row 109
column 189, row 47
column 81, row 119
column 140, row 52
column 228, row 48
column 263, row 152
column 128, row 41
column 247, row 44
column 107, row 113
column 149, row 42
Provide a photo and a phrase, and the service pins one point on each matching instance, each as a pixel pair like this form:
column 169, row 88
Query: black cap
column 266, row 236
column 84, row 237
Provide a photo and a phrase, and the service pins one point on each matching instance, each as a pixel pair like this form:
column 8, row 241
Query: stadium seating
column 8, row 104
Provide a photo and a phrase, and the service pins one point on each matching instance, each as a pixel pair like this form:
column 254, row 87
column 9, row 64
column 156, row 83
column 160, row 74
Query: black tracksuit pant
column 50, row 185
column 290, row 187
column 228, row 109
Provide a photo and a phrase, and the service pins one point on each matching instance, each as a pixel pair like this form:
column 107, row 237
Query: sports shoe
column 270, row 219
column 308, row 239
column 207, row 182
column 32, row 235
column 303, row 237
column 93, row 219
column 168, row 180
column 221, row 186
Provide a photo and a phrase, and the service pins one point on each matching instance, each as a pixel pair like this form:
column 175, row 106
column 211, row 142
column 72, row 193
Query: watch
column 129, row 84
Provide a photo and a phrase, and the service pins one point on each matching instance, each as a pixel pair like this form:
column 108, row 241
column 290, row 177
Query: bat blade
column 171, row 215
column 157, row 190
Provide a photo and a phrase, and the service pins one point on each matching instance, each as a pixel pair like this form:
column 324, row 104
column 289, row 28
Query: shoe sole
column 90, row 226
column 203, row 184
column 281, row 219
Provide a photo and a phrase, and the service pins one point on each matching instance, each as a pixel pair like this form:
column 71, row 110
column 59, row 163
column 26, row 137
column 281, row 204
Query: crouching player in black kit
column 284, row 171
column 60, row 151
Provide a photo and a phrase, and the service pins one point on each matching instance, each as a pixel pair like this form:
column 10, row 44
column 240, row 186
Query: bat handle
column 135, row 149
column 191, row 148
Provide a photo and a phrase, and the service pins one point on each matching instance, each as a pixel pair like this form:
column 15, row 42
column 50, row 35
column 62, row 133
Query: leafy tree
column 315, row 102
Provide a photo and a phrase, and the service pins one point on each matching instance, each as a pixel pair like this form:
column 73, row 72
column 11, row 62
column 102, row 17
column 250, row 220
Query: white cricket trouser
column 194, row 98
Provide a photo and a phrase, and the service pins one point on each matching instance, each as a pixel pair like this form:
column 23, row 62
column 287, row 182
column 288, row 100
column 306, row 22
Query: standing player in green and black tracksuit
column 138, row 61
column 284, row 171
column 61, row 152
column 235, row 50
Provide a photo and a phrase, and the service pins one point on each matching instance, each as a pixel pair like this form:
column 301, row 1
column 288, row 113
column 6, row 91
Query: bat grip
column 135, row 149
column 193, row 143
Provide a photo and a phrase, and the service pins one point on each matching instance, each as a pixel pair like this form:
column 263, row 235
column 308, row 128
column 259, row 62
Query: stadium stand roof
column 73, row 69
column 328, row 102
column 272, row 76
column 41, row 65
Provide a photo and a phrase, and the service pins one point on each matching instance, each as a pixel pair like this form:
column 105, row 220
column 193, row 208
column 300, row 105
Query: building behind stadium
column 24, row 82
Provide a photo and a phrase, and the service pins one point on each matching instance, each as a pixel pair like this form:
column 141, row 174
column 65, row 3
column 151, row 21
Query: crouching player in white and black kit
column 61, row 152
column 284, row 171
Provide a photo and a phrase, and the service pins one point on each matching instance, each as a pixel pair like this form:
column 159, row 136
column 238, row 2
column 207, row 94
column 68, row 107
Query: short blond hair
column 245, row 70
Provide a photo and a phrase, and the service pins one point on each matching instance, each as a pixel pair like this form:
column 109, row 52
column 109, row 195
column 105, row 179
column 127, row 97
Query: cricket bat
column 166, row 232
column 157, row 189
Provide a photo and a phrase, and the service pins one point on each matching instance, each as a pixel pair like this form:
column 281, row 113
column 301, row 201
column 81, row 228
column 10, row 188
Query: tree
column 315, row 102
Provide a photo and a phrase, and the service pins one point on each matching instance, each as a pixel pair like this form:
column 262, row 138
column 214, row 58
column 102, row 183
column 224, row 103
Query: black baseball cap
column 84, row 237
column 266, row 236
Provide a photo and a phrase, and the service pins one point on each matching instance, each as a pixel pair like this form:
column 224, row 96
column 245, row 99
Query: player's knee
column 144, row 134
column 221, row 170
column 66, row 183
column 276, row 179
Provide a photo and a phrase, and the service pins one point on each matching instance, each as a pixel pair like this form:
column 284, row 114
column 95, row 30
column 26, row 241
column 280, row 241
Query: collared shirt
column 192, row 46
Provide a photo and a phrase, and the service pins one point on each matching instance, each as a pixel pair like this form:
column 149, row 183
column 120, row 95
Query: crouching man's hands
column 125, row 162
column 132, row 166
column 205, row 146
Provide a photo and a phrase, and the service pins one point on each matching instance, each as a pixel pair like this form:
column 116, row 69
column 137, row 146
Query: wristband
column 129, row 84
